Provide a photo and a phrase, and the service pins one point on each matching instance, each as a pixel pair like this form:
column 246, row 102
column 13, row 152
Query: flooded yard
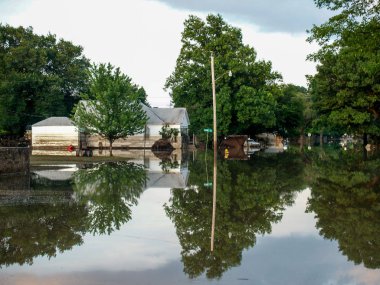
column 310, row 217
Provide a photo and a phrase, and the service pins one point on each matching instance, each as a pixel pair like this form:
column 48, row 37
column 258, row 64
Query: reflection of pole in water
column 213, row 204
column 207, row 184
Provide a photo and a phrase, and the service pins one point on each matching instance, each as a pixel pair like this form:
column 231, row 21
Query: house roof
column 171, row 115
column 160, row 116
column 153, row 119
column 54, row 121
column 156, row 116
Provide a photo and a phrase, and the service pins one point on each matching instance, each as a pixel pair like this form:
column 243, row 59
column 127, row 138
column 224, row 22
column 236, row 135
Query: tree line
column 342, row 97
column 41, row 76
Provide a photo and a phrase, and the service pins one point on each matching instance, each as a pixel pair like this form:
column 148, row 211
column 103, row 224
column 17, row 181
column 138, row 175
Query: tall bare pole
column 214, row 104
column 215, row 153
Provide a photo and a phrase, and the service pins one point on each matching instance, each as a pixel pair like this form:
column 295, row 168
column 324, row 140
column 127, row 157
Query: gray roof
column 54, row 121
column 160, row 116
column 171, row 115
column 153, row 119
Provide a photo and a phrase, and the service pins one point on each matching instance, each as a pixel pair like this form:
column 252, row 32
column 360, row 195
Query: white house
column 176, row 118
column 54, row 133
column 60, row 132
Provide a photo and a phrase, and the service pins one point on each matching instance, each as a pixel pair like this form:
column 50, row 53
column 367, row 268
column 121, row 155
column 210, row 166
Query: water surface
column 295, row 217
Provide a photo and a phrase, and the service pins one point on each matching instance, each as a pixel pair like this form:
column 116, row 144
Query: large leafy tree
column 346, row 88
column 112, row 106
column 40, row 76
column 245, row 102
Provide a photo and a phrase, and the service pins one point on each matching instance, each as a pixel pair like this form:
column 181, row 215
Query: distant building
column 54, row 133
column 59, row 132
column 176, row 118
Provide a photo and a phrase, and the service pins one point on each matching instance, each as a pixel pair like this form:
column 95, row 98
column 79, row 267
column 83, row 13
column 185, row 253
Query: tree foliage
column 40, row 76
column 350, row 14
column 293, row 110
column 245, row 101
column 112, row 106
column 346, row 88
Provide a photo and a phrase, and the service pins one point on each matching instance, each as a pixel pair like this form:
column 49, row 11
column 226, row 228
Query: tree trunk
column 111, row 148
column 321, row 138
column 365, row 139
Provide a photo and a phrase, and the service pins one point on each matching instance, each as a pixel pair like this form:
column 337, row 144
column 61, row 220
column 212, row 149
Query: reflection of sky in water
column 147, row 241
column 295, row 221
column 146, row 251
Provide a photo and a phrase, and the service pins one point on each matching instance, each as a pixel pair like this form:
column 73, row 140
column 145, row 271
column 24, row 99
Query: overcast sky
column 142, row 37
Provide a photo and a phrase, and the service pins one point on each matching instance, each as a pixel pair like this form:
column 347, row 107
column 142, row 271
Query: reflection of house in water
column 54, row 183
column 57, row 174
column 160, row 174
column 166, row 174
column 44, row 185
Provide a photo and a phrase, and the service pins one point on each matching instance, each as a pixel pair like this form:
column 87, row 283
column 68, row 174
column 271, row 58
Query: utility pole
column 215, row 154
column 214, row 104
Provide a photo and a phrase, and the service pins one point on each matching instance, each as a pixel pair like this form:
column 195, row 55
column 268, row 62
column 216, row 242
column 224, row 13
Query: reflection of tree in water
column 104, row 195
column 27, row 231
column 251, row 195
column 109, row 190
column 168, row 164
column 346, row 201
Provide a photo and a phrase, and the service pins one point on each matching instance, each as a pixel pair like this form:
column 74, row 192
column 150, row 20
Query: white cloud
column 287, row 52
column 295, row 222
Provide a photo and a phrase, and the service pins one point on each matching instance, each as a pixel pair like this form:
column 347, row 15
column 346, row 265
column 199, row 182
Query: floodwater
column 310, row 217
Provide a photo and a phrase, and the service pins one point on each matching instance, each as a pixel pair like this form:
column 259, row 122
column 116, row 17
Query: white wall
column 66, row 130
column 54, row 136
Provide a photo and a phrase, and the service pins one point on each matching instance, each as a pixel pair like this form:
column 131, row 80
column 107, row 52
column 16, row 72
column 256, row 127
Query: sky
column 143, row 37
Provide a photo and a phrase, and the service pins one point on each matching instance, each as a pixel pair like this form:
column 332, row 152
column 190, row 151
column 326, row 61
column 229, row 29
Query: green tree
column 109, row 190
column 142, row 96
column 245, row 101
column 39, row 77
column 346, row 88
column 350, row 14
column 112, row 106
column 292, row 112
